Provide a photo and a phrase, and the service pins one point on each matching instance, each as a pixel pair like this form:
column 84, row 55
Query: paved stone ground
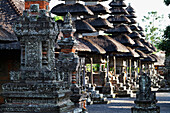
column 123, row 105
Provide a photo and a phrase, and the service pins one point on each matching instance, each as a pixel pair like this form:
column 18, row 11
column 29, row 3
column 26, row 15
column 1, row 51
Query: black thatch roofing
column 141, row 29
column 148, row 59
column 130, row 9
column 83, row 27
column 125, row 40
column 134, row 28
column 93, row 46
column 132, row 21
column 142, row 34
column 131, row 15
column 81, row 46
column 119, row 29
column 118, row 19
column 148, row 44
column 10, row 10
column 86, row 45
column 118, row 10
column 108, row 44
column 153, row 47
column 131, row 53
column 145, row 49
column 155, row 57
column 98, row 9
column 10, row 46
column 117, row 4
column 142, row 54
column 135, row 35
column 99, row 23
column 74, row 9
column 6, row 36
column 18, row 5
column 137, row 44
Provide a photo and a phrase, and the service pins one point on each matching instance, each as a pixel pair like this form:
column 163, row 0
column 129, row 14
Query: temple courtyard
column 123, row 105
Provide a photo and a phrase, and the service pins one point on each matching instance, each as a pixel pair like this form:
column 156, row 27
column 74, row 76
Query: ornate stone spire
column 68, row 29
column 68, row 40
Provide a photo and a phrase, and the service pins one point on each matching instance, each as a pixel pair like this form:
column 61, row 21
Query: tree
column 167, row 2
column 153, row 30
column 165, row 43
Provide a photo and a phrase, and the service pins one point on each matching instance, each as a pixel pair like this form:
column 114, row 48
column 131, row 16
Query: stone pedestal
column 145, row 98
column 108, row 90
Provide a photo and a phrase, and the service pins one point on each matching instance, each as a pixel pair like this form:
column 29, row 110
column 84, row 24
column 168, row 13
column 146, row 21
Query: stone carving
column 145, row 98
column 35, row 87
column 67, row 62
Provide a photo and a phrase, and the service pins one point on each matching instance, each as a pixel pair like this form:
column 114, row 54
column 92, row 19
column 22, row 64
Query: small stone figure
column 145, row 98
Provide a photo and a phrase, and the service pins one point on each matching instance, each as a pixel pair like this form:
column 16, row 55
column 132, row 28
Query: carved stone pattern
column 32, row 54
column 67, row 62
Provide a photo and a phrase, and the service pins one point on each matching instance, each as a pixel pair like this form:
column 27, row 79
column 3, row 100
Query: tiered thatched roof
column 99, row 9
column 83, row 27
column 124, row 39
column 142, row 54
column 74, row 9
column 130, row 9
column 148, row 59
column 137, row 44
column 119, row 29
column 134, row 28
column 108, row 44
column 118, row 19
column 135, row 35
column 117, row 4
column 131, row 53
column 99, row 23
column 118, row 10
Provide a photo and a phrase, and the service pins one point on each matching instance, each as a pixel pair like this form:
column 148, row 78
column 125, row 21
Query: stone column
column 114, row 59
column 91, row 69
column 130, row 68
column 107, row 76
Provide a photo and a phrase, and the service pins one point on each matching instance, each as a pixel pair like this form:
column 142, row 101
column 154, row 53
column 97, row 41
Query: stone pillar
column 130, row 68
column 91, row 69
column 114, row 59
column 107, row 76
column 140, row 67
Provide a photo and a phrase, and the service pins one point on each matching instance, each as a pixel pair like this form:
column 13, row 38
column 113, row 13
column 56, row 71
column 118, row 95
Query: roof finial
column 68, row 18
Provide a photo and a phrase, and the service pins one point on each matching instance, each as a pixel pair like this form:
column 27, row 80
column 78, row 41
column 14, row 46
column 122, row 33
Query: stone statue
column 145, row 98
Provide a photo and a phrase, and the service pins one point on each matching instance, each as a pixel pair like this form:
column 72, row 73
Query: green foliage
column 95, row 67
column 165, row 44
column 153, row 30
column 167, row 2
column 58, row 18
